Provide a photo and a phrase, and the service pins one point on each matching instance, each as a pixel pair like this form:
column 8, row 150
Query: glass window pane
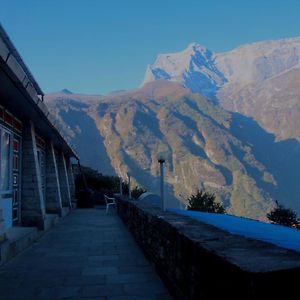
column 5, row 162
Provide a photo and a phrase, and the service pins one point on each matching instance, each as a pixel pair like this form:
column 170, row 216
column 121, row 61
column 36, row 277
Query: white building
column 36, row 179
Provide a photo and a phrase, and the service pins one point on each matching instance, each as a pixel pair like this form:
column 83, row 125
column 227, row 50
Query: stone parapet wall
column 199, row 261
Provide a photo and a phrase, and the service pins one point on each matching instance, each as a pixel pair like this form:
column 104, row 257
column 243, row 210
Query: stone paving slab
column 89, row 255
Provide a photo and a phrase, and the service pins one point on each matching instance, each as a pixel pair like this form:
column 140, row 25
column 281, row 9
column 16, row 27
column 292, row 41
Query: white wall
column 6, row 206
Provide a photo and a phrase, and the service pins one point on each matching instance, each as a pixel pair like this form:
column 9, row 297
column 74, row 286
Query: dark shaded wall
column 198, row 261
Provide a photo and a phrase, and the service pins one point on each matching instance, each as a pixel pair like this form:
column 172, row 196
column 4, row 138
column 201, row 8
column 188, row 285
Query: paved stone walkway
column 89, row 255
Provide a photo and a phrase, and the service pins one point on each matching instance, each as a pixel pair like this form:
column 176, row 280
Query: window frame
column 4, row 193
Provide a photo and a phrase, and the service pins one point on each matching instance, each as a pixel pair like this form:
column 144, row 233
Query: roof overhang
column 12, row 50
column 21, row 95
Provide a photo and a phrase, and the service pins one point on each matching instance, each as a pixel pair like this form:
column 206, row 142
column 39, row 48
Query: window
column 5, row 161
column 10, row 148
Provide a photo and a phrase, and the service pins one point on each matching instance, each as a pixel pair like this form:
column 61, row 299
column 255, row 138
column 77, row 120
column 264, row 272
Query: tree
column 283, row 216
column 95, row 180
column 91, row 185
column 205, row 201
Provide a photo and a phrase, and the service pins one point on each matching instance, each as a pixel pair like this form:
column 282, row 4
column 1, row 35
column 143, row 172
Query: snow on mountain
column 259, row 80
column 205, row 72
column 259, row 61
column 194, row 67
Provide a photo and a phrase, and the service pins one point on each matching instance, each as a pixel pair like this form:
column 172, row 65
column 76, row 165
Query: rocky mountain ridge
column 228, row 122
column 207, row 147
column 259, row 80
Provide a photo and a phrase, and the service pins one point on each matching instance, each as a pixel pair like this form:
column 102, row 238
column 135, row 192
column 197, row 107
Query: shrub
column 205, row 201
column 95, row 180
column 283, row 216
column 91, row 186
column 125, row 188
column 137, row 192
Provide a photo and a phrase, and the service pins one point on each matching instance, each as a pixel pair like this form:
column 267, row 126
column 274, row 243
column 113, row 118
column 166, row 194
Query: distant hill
column 228, row 122
column 206, row 146
column 66, row 91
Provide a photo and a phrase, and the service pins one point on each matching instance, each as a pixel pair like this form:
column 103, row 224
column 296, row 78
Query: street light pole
column 161, row 164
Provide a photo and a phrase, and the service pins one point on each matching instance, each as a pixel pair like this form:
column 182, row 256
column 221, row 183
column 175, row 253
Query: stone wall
column 71, row 181
column 199, row 261
column 53, row 194
column 2, row 234
column 33, row 203
column 63, row 180
column 1, row 220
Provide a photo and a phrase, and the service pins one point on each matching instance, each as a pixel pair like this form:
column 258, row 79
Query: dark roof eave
column 44, row 115
column 19, row 59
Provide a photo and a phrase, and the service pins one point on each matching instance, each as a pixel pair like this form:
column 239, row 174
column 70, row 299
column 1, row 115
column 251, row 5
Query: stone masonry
column 64, row 180
column 1, row 219
column 200, row 261
column 71, row 180
column 2, row 234
column 53, row 192
column 89, row 255
column 33, row 205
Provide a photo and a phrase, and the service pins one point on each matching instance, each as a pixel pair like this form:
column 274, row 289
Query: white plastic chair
column 109, row 202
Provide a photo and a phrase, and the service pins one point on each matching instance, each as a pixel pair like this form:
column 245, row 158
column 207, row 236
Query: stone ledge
column 50, row 221
column 18, row 238
column 65, row 211
column 200, row 261
column 2, row 236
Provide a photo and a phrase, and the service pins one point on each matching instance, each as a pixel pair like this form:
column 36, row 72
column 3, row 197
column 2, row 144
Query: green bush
column 91, row 186
column 95, row 180
column 283, row 216
column 137, row 192
column 205, row 201
column 125, row 188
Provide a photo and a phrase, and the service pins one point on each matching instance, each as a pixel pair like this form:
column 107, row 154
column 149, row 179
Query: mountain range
column 227, row 122
column 259, row 80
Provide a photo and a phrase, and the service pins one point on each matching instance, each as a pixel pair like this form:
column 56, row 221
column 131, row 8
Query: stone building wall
column 63, row 180
column 33, row 204
column 2, row 234
column 53, row 193
column 199, row 261
column 1, row 220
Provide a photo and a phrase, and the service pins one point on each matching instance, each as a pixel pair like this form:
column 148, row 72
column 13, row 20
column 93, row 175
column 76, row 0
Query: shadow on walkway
column 89, row 255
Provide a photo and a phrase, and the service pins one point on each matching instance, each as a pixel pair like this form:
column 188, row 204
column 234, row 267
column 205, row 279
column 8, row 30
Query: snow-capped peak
column 205, row 72
column 194, row 67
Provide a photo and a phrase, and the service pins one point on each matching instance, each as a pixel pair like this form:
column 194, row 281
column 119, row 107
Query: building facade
column 36, row 178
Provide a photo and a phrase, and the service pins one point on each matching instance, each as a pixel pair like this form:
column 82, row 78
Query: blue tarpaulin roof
column 281, row 236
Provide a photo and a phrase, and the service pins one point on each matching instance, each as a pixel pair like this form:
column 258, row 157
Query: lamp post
column 161, row 161
column 129, row 185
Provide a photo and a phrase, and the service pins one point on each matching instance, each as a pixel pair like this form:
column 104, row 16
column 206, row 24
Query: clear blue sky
column 96, row 46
